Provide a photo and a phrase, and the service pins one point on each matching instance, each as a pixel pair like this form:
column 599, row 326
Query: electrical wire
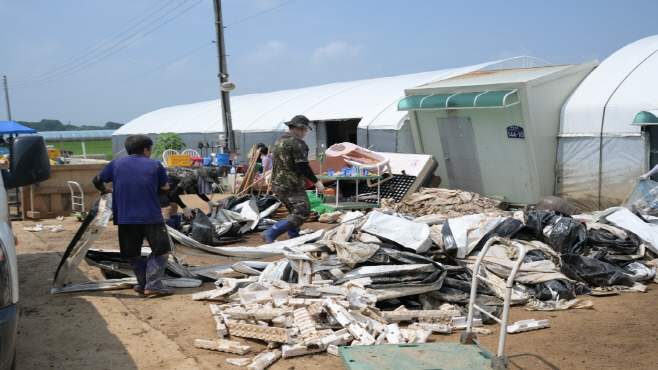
column 82, row 53
column 256, row 15
column 92, row 62
column 130, row 79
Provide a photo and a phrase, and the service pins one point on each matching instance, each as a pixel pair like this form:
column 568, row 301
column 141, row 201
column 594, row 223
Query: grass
column 92, row 147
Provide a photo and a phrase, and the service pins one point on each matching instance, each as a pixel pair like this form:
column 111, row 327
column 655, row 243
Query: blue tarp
column 11, row 127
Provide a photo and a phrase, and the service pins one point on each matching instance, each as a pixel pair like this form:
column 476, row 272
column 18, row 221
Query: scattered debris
column 452, row 203
column 527, row 325
column 239, row 361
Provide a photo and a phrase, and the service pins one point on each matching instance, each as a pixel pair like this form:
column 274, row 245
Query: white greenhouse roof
column 373, row 101
column 610, row 97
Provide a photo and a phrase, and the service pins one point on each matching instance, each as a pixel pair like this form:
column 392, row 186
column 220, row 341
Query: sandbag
column 592, row 271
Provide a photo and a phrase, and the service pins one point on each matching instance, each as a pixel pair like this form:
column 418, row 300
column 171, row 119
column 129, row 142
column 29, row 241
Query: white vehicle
column 28, row 164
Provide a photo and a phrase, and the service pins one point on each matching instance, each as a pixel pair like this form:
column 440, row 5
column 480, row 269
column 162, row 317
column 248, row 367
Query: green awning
column 484, row 99
column 646, row 118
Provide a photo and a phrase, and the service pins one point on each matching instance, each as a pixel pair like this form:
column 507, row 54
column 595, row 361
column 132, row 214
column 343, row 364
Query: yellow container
column 179, row 160
column 53, row 154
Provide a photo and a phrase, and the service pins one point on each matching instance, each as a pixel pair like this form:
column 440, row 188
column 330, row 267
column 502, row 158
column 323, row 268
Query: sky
column 87, row 62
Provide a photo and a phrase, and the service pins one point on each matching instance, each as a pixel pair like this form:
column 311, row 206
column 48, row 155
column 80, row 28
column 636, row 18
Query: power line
column 132, row 78
column 78, row 56
column 101, row 56
column 256, row 15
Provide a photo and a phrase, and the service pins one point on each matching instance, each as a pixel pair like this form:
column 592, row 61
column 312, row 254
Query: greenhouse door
column 460, row 155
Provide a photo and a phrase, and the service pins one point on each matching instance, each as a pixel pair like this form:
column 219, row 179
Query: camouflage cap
column 299, row 121
column 210, row 174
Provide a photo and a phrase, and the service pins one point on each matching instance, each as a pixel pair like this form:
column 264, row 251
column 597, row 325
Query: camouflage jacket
column 289, row 150
column 183, row 177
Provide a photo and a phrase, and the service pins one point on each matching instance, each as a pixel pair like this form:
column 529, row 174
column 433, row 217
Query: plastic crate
column 181, row 160
column 53, row 154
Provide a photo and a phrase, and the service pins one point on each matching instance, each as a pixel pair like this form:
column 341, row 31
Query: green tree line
column 56, row 125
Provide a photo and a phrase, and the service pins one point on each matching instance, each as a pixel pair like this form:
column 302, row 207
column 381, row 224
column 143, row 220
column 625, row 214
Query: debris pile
column 452, row 203
column 299, row 319
column 393, row 277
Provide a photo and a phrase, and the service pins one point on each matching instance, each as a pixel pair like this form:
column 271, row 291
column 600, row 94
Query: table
column 352, row 205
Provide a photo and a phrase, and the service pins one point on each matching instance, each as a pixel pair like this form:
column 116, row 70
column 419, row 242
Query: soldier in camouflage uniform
column 289, row 167
column 186, row 180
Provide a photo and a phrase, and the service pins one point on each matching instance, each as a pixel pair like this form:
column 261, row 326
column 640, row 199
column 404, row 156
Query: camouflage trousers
column 296, row 202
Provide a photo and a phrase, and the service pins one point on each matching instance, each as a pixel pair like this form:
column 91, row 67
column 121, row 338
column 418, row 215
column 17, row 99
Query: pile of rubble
column 300, row 319
column 452, row 203
column 354, row 283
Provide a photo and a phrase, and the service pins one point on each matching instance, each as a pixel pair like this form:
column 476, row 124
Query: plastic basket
column 223, row 159
column 181, row 160
column 53, row 154
column 315, row 200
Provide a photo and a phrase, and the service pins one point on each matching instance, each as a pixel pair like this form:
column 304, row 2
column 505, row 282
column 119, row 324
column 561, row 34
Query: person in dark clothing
column 136, row 180
column 191, row 181
column 289, row 168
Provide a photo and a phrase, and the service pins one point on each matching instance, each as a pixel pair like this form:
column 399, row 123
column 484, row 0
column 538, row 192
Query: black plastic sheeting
column 266, row 201
column 562, row 289
column 568, row 235
column 504, row 228
column 593, row 271
column 607, row 241
column 232, row 202
column 402, row 279
column 507, row 227
column 535, row 255
column 202, row 228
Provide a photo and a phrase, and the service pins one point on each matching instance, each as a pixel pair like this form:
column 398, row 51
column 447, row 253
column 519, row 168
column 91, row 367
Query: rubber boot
column 139, row 268
column 154, row 272
column 276, row 230
column 294, row 233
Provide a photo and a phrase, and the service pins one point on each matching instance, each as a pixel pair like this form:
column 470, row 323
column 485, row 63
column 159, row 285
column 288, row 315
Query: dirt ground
column 122, row 330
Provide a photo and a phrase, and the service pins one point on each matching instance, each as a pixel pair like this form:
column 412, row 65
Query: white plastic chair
column 166, row 154
column 191, row 153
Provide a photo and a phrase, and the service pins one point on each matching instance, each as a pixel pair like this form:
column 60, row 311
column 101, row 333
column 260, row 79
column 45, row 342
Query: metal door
column 460, row 155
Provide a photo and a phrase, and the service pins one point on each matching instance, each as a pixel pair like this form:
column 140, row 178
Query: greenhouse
column 608, row 134
column 363, row 112
column 76, row 135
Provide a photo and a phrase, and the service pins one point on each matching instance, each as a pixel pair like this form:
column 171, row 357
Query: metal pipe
column 508, row 295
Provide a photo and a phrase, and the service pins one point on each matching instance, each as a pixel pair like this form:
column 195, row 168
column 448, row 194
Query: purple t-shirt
column 135, row 181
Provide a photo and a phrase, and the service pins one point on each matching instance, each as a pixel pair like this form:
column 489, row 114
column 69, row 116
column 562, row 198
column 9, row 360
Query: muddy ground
column 123, row 330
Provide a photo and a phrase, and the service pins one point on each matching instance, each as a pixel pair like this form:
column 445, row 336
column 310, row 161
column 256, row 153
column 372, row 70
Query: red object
column 197, row 161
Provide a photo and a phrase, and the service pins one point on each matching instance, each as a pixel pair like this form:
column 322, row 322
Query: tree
column 168, row 140
column 113, row 126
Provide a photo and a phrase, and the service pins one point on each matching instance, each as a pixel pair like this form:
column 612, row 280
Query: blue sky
column 89, row 62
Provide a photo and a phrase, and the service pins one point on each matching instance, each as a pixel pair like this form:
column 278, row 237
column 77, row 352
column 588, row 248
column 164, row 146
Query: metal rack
column 352, row 205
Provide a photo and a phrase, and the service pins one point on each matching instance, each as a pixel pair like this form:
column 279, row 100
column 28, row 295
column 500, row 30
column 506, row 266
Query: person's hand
column 212, row 204
column 319, row 186
column 643, row 177
column 187, row 213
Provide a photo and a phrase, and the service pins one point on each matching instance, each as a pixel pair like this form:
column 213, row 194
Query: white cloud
column 265, row 53
column 336, row 50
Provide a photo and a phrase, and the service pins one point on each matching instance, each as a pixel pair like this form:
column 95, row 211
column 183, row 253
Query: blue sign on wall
column 515, row 132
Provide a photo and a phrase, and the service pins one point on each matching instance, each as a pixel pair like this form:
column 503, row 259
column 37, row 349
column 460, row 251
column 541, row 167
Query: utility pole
column 223, row 77
column 7, row 98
